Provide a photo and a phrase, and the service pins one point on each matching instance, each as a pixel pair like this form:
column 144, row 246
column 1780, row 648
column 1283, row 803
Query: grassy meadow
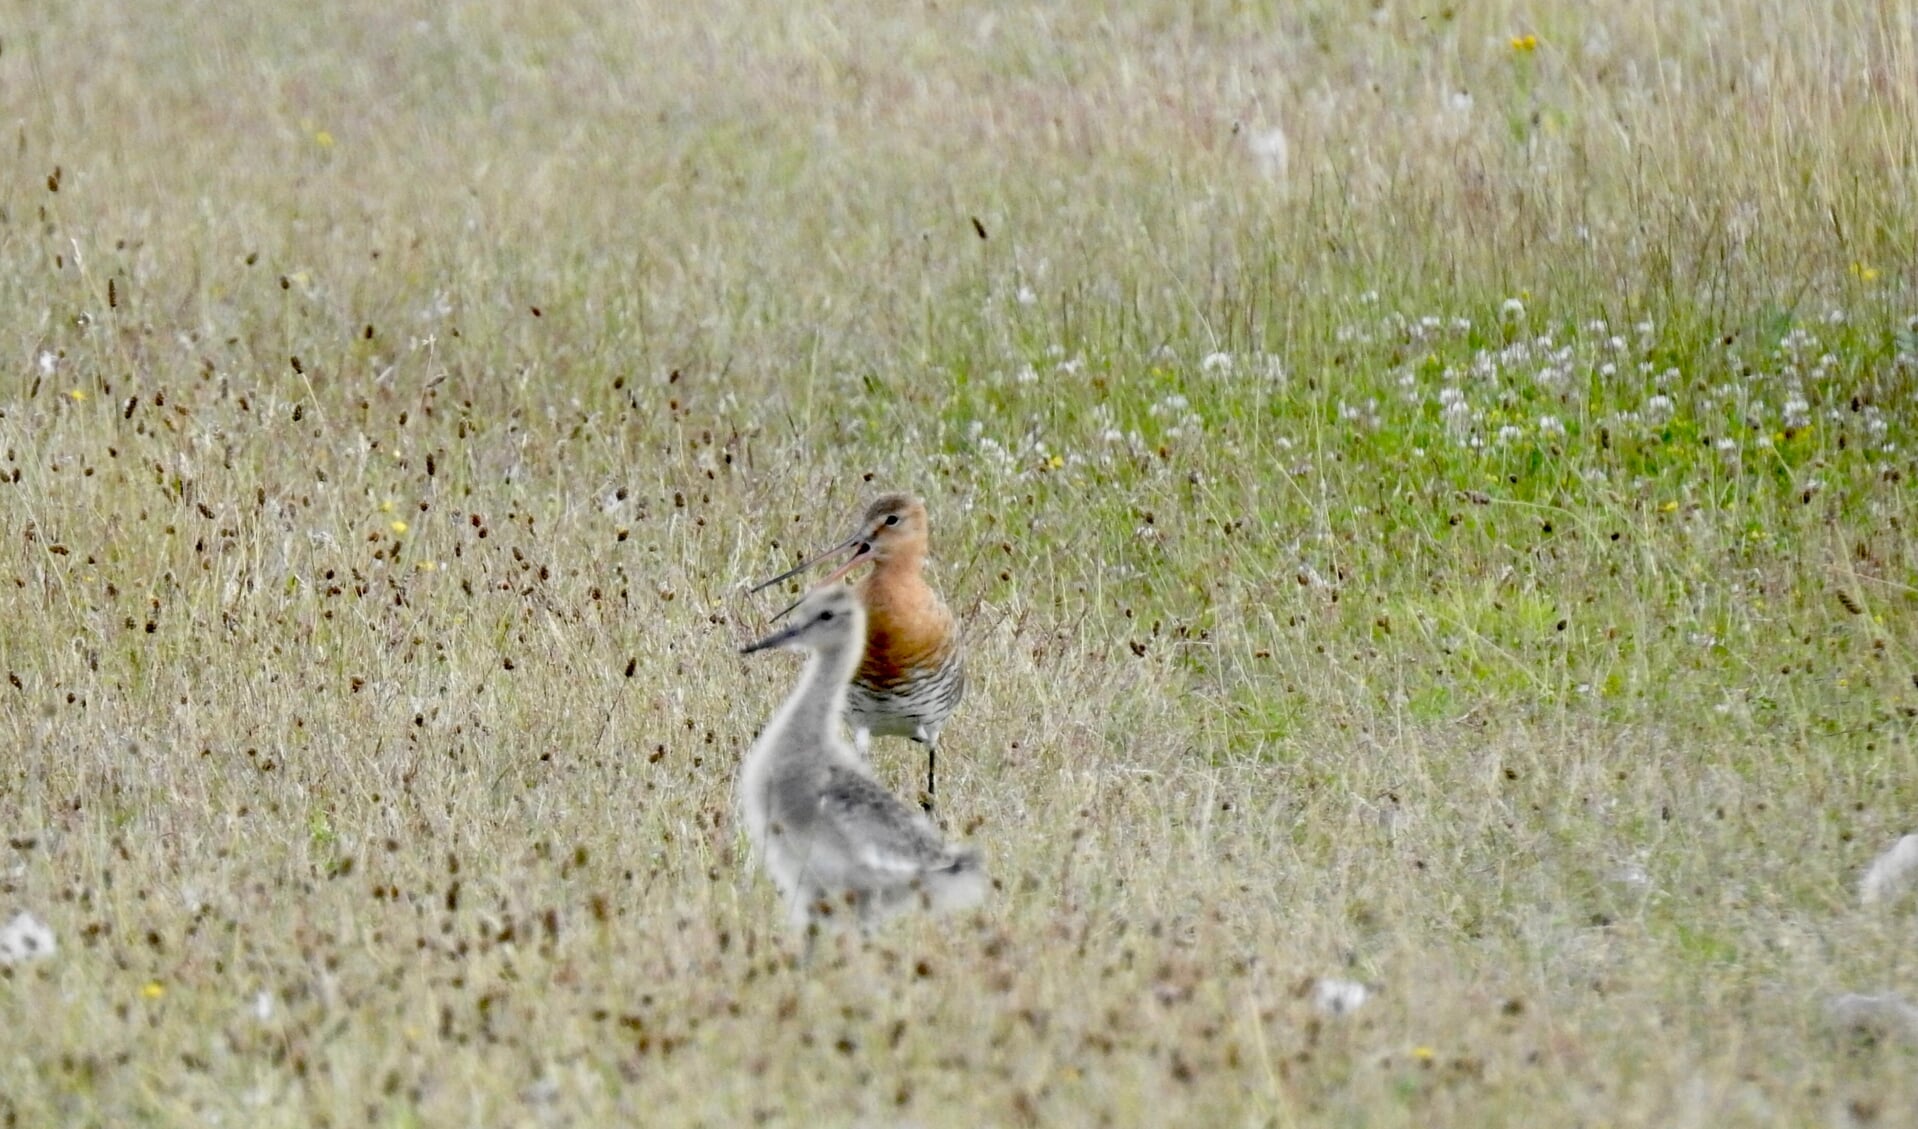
column 1430, row 491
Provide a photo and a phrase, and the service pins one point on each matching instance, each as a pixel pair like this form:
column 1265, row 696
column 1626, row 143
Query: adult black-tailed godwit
column 913, row 674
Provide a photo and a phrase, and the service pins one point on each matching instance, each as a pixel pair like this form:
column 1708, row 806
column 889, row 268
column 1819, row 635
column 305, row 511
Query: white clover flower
column 1550, row 425
column 1510, row 433
column 439, row 307
column 1658, row 408
column 1270, row 151
column 1216, row 364
column 1340, row 997
column 1025, row 296
column 1632, row 874
column 48, row 362
column 23, row 938
column 1797, row 412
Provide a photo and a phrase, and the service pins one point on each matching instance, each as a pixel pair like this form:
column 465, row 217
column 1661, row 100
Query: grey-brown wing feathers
column 879, row 831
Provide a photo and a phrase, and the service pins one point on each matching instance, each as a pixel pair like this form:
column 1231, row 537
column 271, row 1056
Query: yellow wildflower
column 78, row 394
column 1525, row 44
column 398, row 526
column 323, row 139
column 153, row 990
column 1423, row 1054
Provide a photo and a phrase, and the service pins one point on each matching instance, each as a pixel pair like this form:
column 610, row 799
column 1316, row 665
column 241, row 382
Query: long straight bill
column 803, row 566
column 865, row 551
column 773, row 640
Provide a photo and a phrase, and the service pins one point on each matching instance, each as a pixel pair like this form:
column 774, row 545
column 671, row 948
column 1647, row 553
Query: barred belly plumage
column 914, row 706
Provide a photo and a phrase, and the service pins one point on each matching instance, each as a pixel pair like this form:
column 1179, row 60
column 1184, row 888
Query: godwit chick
column 831, row 837
column 913, row 674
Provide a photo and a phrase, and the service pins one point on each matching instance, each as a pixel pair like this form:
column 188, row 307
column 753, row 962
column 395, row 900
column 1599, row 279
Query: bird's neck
column 897, row 587
column 820, row 697
column 903, row 610
column 902, row 566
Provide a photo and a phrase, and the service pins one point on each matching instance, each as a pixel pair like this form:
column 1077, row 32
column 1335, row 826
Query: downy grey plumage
column 840, row 848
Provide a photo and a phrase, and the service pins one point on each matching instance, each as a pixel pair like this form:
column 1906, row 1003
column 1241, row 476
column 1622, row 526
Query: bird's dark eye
column 824, row 616
column 892, row 519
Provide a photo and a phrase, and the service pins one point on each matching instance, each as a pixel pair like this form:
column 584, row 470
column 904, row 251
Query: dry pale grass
column 396, row 397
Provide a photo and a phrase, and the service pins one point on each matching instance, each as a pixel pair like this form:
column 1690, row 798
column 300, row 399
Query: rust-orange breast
column 908, row 631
